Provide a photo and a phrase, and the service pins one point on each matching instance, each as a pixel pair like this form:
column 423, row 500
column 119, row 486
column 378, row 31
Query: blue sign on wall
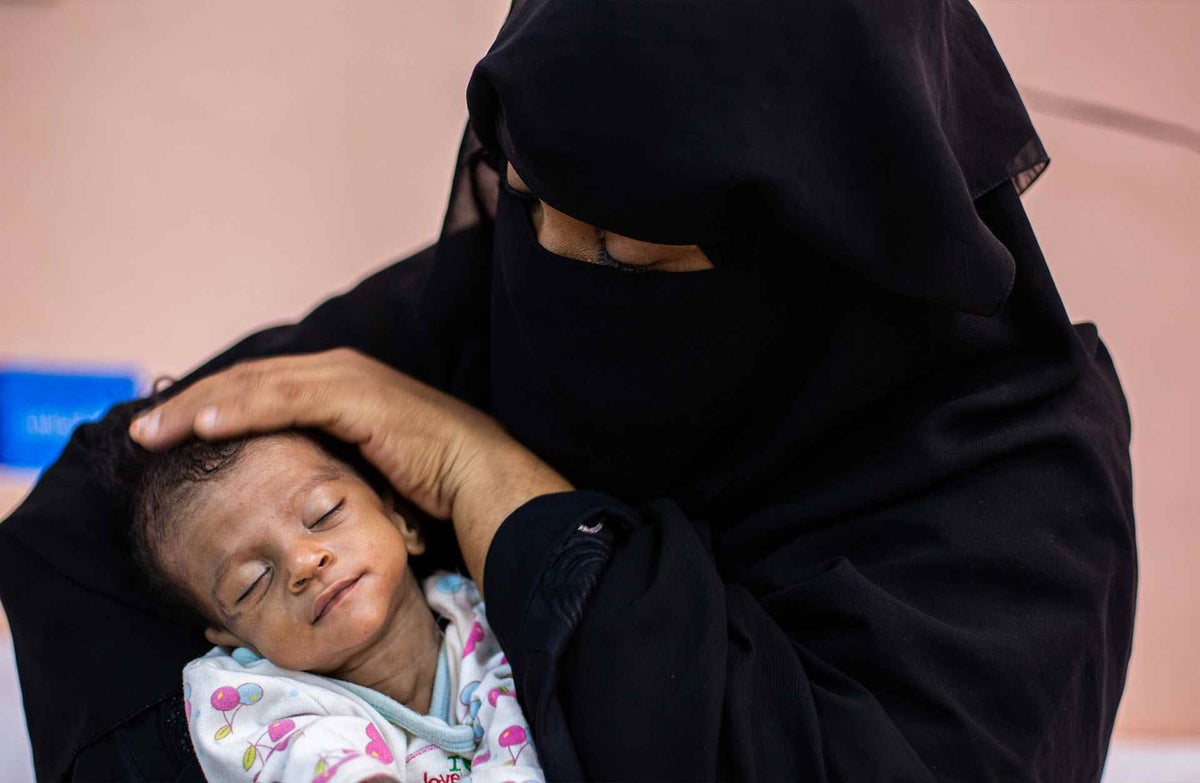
column 39, row 408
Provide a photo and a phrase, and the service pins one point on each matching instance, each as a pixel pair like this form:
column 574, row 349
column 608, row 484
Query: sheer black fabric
column 865, row 490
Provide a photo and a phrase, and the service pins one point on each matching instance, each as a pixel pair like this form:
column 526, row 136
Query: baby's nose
column 308, row 563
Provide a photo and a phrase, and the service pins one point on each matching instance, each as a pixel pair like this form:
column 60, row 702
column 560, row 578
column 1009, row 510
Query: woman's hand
column 450, row 459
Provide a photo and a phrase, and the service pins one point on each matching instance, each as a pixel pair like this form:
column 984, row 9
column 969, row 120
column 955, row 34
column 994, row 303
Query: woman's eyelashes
column 607, row 260
column 602, row 256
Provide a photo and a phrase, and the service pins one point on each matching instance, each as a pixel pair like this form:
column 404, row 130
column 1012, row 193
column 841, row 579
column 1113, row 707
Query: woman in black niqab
column 855, row 503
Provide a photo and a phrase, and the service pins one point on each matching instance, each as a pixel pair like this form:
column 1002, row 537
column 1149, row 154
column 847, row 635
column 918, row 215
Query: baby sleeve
column 505, row 751
column 487, row 694
column 256, row 726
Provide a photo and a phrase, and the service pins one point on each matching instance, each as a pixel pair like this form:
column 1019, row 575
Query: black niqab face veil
column 824, row 155
column 623, row 380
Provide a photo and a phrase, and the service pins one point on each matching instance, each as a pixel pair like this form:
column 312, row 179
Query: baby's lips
column 328, row 594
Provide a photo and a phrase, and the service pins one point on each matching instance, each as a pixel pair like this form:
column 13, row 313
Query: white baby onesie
column 254, row 722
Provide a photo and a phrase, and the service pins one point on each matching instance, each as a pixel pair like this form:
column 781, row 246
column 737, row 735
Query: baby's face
column 302, row 560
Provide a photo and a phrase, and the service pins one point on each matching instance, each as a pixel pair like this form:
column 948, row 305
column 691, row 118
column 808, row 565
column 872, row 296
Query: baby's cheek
column 286, row 655
column 283, row 645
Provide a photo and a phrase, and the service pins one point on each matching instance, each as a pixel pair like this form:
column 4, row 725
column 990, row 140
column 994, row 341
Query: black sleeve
column 614, row 621
column 636, row 658
column 81, row 618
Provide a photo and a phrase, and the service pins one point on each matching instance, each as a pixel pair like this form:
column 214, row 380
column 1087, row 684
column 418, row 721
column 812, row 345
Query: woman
column 831, row 490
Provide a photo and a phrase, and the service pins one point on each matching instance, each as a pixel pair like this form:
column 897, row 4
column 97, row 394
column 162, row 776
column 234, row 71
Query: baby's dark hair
column 160, row 486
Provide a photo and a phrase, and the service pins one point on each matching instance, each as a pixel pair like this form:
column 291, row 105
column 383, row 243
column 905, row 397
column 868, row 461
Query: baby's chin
column 350, row 632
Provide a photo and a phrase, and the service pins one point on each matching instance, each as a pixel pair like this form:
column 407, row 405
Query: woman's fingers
column 259, row 396
column 439, row 452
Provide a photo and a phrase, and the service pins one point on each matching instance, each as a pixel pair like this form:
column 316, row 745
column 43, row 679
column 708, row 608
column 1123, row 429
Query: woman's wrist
column 492, row 488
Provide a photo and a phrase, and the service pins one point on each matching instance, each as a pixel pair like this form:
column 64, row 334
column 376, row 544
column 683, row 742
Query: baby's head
column 282, row 546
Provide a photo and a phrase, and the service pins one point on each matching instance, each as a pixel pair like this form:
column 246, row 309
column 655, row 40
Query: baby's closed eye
column 328, row 515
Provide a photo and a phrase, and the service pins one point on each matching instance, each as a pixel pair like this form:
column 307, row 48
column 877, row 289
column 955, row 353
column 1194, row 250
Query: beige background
column 174, row 175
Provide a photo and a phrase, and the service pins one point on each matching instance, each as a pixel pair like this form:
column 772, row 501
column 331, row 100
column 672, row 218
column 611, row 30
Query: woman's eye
column 607, row 260
column 327, row 515
column 604, row 259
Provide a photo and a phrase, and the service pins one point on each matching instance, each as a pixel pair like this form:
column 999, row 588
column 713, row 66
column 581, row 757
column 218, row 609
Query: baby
column 331, row 661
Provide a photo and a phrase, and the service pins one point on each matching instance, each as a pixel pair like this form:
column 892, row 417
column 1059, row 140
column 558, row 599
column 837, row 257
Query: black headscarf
column 825, row 155
column 899, row 449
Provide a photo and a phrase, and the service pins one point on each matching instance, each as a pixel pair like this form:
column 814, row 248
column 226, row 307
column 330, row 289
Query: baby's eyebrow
column 322, row 476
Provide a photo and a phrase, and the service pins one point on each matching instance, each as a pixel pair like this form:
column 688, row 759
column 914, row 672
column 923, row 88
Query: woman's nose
column 307, row 562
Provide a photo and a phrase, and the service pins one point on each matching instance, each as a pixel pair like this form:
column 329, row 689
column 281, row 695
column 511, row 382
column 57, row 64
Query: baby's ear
column 222, row 637
column 404, row 519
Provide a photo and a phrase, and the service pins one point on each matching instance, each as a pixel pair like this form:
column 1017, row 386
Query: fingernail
column 146, row 426
column 207, row 419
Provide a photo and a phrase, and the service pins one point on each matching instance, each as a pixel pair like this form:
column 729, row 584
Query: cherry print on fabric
column 328, row 764
column 473, row 638
column 468, row 698
column 513, row 736
column 496, row 693
column 279, row 729
column 377, row 748
column 229, row 701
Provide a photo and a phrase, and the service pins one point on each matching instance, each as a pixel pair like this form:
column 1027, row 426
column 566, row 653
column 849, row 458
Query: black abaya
column 855, row 504
column 956, row 604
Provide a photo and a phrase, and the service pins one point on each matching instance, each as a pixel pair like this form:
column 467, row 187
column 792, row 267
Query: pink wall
column 1116, row 217
column 178, row 174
